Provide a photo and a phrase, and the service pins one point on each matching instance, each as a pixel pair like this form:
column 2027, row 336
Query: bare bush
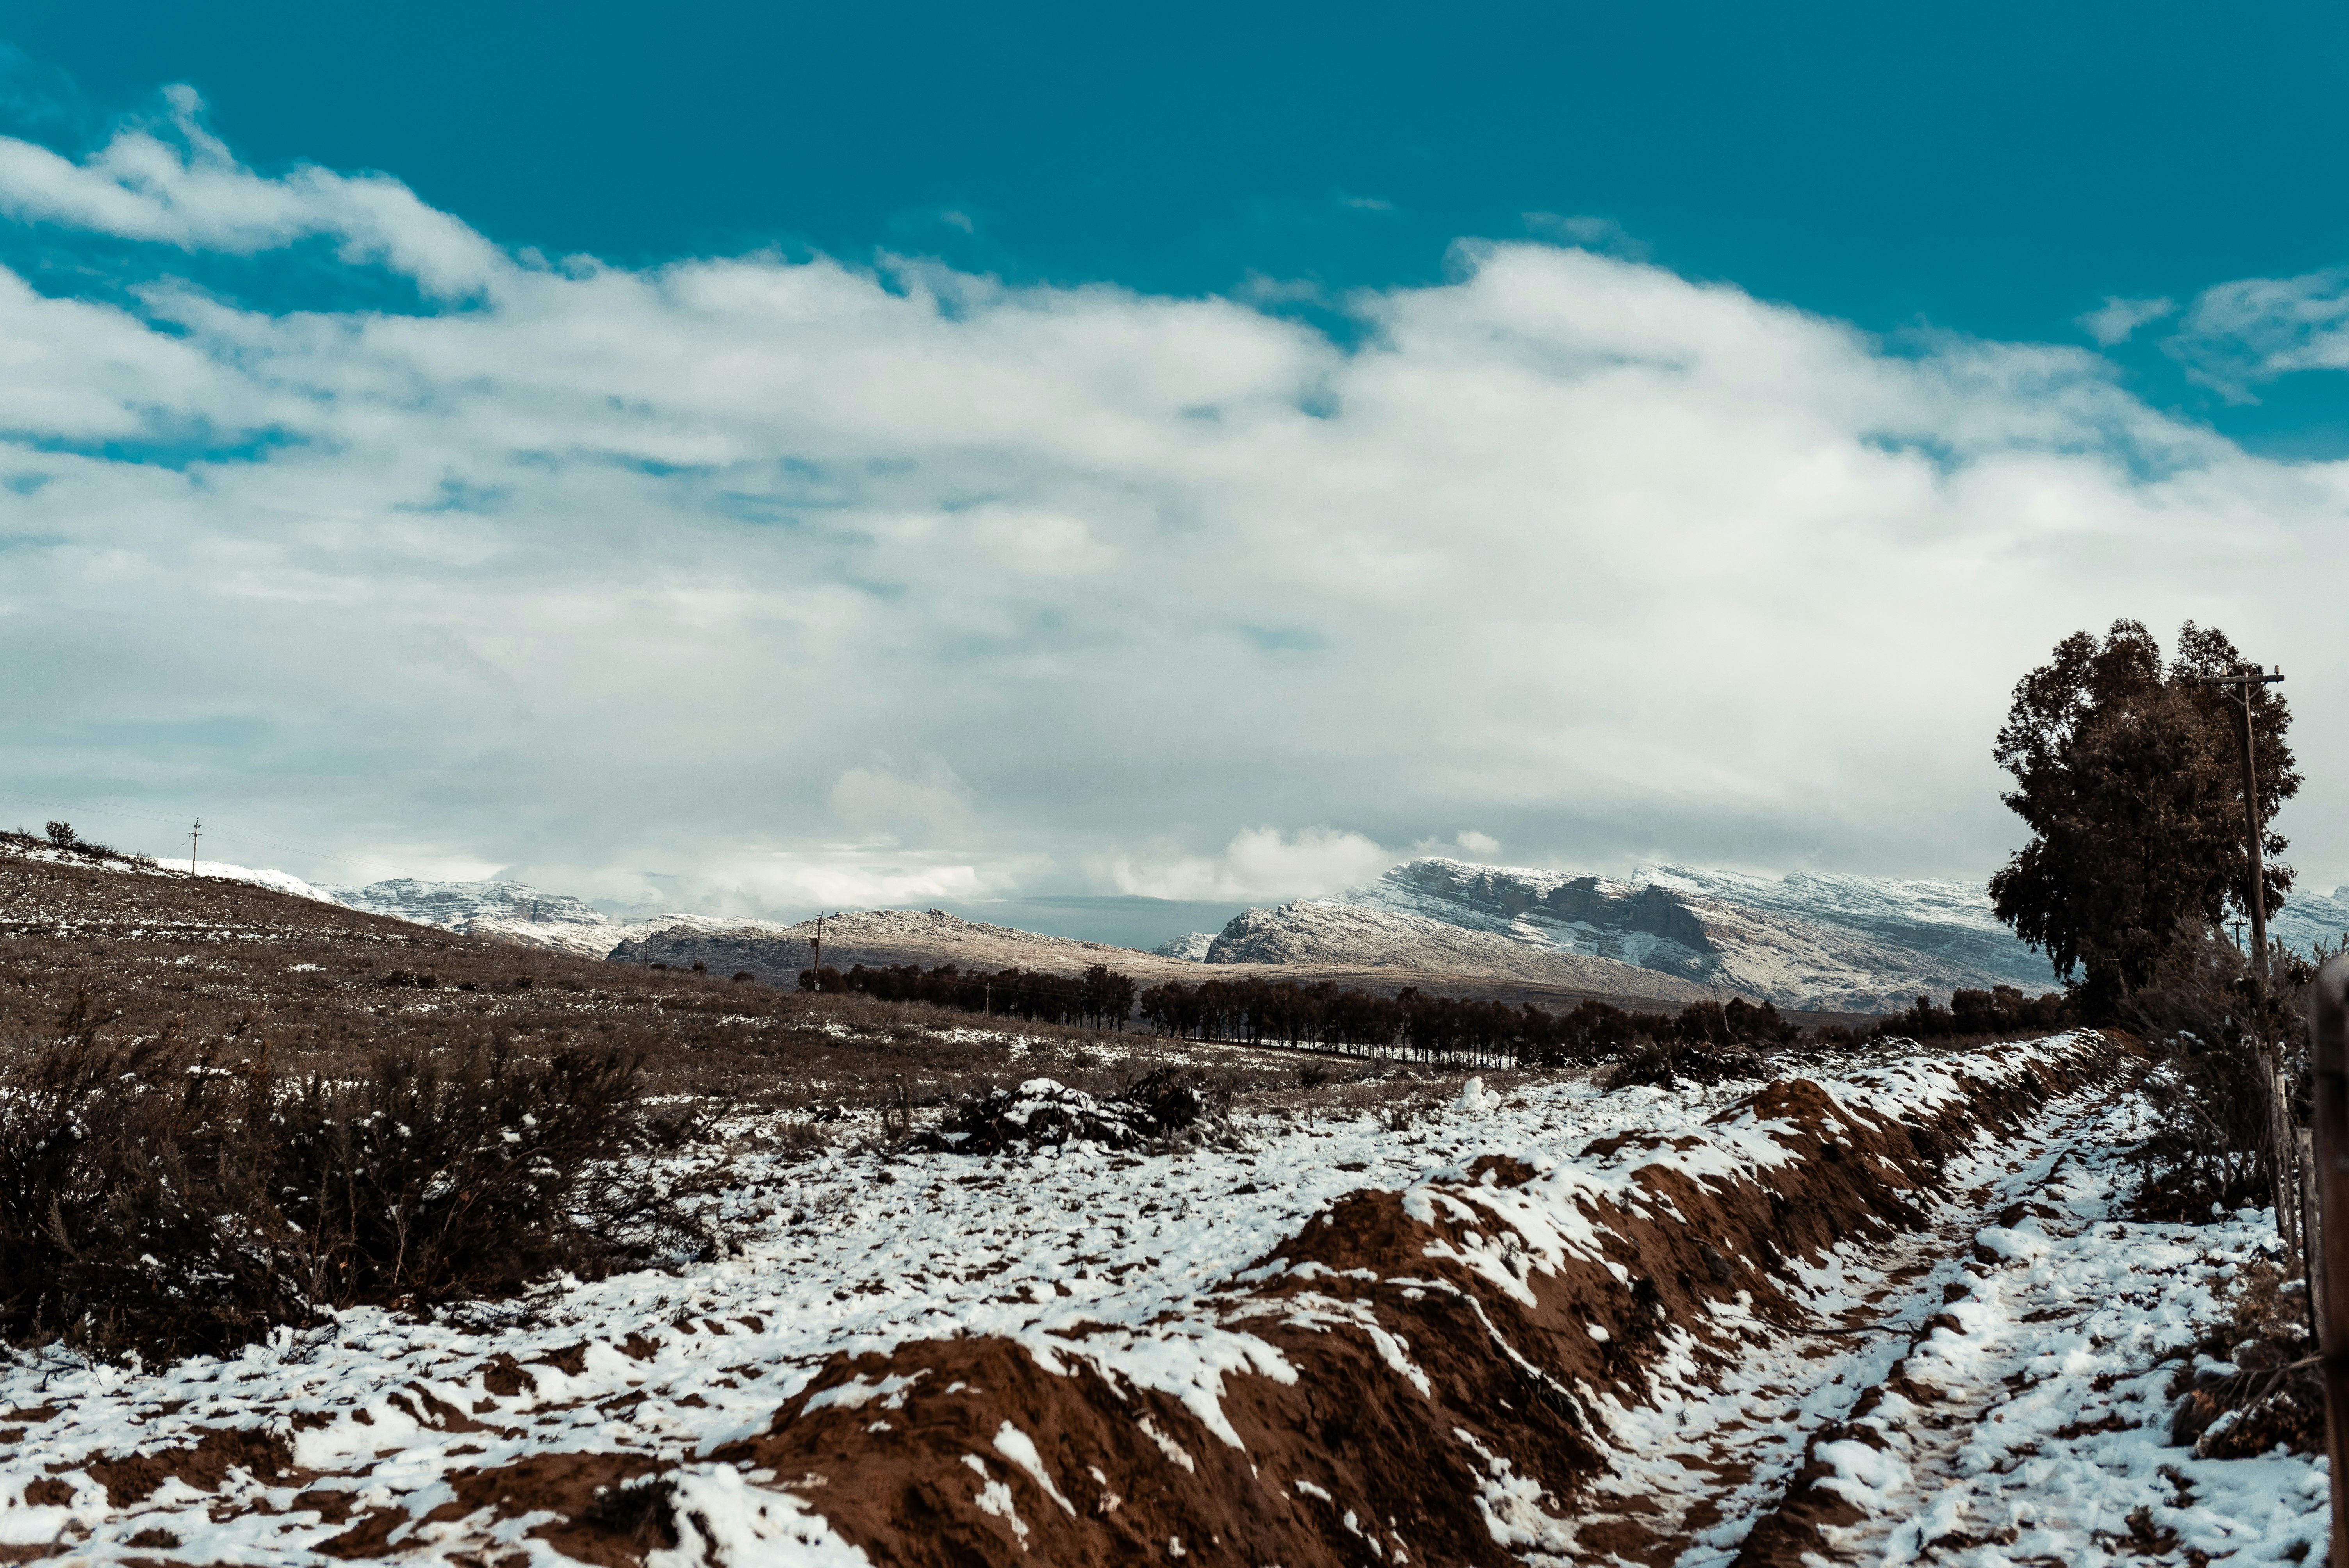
column 133, row 1206
column 153, row 1200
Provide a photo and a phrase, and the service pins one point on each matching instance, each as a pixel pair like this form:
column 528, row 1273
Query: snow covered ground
column 1616, row 1249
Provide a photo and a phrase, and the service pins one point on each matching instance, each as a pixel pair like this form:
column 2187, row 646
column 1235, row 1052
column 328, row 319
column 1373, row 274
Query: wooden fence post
column 2328, row 1253
column 2311, row 1229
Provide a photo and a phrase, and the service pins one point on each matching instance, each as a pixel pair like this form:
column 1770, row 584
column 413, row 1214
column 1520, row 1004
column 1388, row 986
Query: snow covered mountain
column 1807, row 940
column 2308, row 919
column 513, row 910
column 1839, row 944
column 1319, row 931
column 1191, row 945
column 1844, row 944
column 517, row 911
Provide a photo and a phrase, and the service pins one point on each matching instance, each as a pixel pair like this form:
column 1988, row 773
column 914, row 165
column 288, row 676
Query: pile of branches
column 1044, row 1113
column 155, row 1200
column 1670, row 1063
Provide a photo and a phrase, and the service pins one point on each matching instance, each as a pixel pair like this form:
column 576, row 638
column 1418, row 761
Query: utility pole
column 2281, row 1142
column 2243, row 680
column 195, row 834
column 815, row 969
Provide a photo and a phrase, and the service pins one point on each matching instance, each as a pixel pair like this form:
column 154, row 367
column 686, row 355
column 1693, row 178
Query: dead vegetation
column 2272, row 1393
column 159, row 1200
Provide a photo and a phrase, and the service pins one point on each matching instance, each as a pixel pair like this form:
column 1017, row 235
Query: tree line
column 1100, row 998
column 1415, row 1025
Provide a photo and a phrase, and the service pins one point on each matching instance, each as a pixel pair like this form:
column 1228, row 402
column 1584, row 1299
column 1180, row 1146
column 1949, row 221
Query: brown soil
column 204, row 1465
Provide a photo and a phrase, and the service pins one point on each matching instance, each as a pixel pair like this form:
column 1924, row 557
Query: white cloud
column 2112, row 321
column 1479, row 844
column 2241, row 334
column 1259, row 864
column 1591, row 233
column 176, row 183
column 927, row 803
column 614, row 569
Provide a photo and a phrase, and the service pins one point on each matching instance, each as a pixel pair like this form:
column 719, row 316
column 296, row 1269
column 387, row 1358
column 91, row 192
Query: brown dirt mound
column 204, row 1465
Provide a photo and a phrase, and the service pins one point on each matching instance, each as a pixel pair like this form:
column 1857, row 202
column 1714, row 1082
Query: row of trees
column 1258, row 1011
column 1100, row 998
column 2001, row 1010
column 1440, row 1028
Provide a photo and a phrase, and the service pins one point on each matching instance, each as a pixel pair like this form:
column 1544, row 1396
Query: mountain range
column 1811, row 941
column 1665, row 934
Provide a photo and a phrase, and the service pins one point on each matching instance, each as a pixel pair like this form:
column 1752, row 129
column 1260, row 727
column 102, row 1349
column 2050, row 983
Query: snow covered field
column 1889, row 1316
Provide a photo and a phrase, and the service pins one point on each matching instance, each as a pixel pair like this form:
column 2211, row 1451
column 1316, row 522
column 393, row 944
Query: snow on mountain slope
column 517, row 911
column 277, row 881
column 1805, row 940
column 1191, row 945
column 1321, row 931
column 1949, row 920
column 2309, row 918
column 1846, row 944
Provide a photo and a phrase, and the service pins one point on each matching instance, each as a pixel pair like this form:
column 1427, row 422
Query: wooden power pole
column 2280, row 1142
column 815, row 969
column 195, row 835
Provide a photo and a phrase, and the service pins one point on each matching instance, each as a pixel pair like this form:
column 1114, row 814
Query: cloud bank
column 769, row 582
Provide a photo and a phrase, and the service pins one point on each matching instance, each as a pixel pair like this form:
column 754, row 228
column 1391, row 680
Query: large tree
column 2130, row 777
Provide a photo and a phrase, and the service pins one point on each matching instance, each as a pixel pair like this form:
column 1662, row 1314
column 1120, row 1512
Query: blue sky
column 1187, row 452
column 1998, row 170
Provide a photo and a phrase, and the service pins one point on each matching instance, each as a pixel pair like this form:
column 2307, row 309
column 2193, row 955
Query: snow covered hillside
column 1321, row 931
column 1877, row 1315
column 1844, row 945
column 1191, row 946
column 1838, row 943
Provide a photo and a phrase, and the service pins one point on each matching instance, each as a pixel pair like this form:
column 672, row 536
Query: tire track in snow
column 2025, row 1419
column 1721, row 1456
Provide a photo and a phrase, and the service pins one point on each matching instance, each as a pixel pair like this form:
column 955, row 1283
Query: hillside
column 1320, row 932
column 932, row 937
column 1836, row 943
column 1807, row 940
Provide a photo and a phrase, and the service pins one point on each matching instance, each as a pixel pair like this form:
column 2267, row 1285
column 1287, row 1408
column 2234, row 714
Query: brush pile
column 1044, row 1113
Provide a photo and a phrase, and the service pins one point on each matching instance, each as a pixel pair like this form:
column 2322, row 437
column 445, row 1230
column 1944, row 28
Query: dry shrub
column 2209, row 1119
column 437, row 1178
column 133, row 1197
column 2210, row 1107
column 1668, row 1064
column 2275, row 1395
column 152, row 1201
